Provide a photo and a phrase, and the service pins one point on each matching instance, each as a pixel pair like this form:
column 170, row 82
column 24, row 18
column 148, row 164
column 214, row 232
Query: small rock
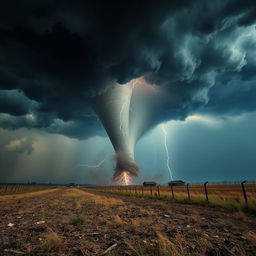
column 10, row 224
column 40, row 222
column 167, row 216
column 216, row 236
column 188, row 226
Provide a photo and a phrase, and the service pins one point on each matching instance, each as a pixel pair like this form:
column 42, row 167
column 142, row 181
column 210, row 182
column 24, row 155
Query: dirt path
column 76, row 222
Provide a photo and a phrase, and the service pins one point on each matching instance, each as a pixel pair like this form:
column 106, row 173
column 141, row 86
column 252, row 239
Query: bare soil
column 69, row 221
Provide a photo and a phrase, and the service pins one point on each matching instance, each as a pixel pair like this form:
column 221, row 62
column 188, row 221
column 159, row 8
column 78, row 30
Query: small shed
column 177, row 183
column 149, row 184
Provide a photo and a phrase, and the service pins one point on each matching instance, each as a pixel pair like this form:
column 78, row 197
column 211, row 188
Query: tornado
column 127, row 112
column 113, row 109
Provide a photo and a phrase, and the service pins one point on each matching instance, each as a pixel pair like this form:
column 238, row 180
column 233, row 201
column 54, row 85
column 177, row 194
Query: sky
column 191, row 66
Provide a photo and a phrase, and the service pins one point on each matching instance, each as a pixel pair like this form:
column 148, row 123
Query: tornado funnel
column 113, row 109
column 127, row 112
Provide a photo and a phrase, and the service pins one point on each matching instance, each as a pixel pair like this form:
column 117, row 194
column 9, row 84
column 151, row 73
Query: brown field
column 70, row 221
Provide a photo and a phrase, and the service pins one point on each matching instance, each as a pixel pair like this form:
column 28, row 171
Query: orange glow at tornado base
column 124, row 179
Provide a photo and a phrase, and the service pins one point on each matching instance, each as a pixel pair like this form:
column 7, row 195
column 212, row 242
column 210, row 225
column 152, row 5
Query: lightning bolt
column 166, row 150
column 120, row 116
column 92, row 166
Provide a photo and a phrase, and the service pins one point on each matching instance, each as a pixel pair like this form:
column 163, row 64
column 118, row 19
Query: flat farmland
column 71, row 221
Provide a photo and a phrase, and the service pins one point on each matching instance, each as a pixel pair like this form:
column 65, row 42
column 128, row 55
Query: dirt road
column 75, row 222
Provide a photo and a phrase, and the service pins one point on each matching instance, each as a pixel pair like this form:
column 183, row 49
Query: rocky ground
column 69, row 221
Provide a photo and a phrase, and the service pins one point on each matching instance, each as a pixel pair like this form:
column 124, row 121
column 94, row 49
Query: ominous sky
column 56, row 56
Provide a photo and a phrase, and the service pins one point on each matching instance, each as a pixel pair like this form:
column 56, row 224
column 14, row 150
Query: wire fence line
column 240, row 192
column 18, row 188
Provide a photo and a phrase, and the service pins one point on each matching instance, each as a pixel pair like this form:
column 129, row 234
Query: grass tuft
column 77, row 220
column 52, row 242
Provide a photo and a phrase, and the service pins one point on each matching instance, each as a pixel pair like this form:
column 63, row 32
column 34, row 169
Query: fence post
column 172, row 192
column 136, row 190
column 158, row 191
column 150, row 190
column 244, row 192
column 142, row 191
column 206, row 192
column 188, row 191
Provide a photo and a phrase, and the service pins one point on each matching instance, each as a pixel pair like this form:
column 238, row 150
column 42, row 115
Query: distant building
column 72, row 184
column 149, row 184
column 176, row 183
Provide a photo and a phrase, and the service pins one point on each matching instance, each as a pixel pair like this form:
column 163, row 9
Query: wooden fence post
column 151, row 191
column 188, row 191
column 158, row 191
column 206, row 192
column 142, row 191
column 244, row 192
column 172, row 192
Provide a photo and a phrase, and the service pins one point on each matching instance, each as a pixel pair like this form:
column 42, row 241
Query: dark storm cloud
column 54, row 55
column 15, row 102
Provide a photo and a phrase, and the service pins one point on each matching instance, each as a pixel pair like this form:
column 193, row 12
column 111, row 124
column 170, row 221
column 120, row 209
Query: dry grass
column 118, row 221
column 135, row 224
column 147, row 222
column 28, row 194
column 43, row 215
column 77, row 220
column 122, row 208
column 25, row 211
column 52, row 242
column 163, row 246
column 251, row 236
column 171, row 248
column 77, row 202
column 137, row 248
column 195, row 217
column 147, row 212
column 228, row 223
column 223, row 191
column 100, row 200
column 240, row 215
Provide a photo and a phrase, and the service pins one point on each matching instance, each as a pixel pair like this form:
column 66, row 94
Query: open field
column 70, row 221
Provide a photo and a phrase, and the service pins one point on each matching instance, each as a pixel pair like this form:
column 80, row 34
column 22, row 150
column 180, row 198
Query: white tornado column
column 113, row 109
